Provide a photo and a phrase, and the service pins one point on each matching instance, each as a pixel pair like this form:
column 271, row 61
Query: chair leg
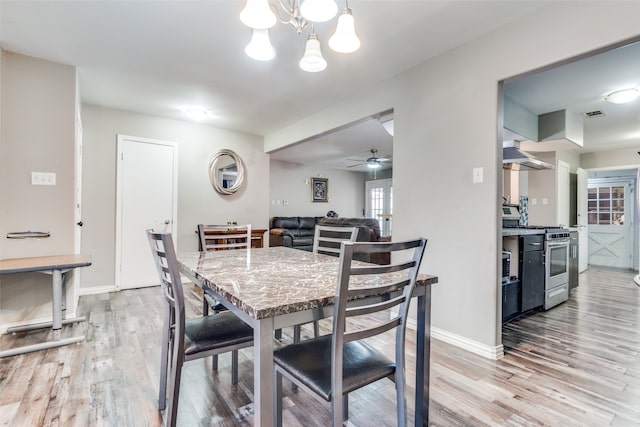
column 234, row 367
column 277, row 399
column 205, row 307
column 337, row 409
column 297, row 329
column 214, row 362
column 400, row 397
column 164, row 362
column 316, row 329
column 345, row 408
column 171, row 415
column 278, row 334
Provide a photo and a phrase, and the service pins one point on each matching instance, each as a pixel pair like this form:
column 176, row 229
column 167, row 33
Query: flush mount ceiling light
column 259, row 15
column 199, row 115
column 623, row 96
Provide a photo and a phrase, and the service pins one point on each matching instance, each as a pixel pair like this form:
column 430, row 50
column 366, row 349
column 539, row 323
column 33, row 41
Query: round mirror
column 226, row 172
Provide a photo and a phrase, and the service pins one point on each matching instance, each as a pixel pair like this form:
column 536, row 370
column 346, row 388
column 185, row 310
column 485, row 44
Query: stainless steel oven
column 556, row 267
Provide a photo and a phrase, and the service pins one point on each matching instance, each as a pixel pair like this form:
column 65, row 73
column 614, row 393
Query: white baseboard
column 96, row 290
column 475, row 347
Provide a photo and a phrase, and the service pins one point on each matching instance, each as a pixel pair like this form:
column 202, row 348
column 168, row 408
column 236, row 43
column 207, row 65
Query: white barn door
column 146, row 198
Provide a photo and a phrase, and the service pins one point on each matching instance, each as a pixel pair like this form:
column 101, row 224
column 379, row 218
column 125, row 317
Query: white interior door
column 146, row 198
column 583, row 234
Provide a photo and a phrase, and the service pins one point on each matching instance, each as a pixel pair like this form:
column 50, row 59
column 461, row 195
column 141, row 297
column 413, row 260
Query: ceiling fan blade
column 356, row 160
column 358, row 164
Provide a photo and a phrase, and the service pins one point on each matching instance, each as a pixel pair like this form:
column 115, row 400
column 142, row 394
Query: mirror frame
column 213, row 172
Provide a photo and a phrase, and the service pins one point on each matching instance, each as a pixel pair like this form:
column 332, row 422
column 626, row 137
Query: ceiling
column 161, row 58
column 580, row 87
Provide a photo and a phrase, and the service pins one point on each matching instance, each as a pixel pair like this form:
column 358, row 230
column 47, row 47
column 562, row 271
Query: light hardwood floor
column 575, row 365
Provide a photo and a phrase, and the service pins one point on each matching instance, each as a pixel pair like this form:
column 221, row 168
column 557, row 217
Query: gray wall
column 197, row 201
column 446, row 116
column 38, row 134
column 291, row 182
column 611, row 159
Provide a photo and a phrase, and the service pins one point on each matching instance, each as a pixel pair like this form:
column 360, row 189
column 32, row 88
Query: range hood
column 515, row 159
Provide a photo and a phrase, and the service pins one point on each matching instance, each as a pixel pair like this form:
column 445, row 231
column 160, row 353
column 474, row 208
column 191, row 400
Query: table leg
column 423, row 354
column 263, row 373
column 56, row 304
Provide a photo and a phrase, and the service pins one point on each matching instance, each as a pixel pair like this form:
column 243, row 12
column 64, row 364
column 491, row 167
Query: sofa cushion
column 287, row 222
column 371, row 223
column 307, row 222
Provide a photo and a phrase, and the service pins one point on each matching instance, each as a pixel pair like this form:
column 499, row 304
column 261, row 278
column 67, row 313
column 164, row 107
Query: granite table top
column 268, row 282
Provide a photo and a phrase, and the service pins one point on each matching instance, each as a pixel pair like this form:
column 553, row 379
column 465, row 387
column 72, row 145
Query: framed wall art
column 319, row 189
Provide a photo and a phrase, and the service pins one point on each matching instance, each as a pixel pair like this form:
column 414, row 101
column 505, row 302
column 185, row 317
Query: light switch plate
column 43, row 178
column 478, row 175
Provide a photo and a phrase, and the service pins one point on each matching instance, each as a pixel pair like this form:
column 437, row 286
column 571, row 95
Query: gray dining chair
column 220, row 238
column 332, row 366
column 326, row 240
column 188, row 339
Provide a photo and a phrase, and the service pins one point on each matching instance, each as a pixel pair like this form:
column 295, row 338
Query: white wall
column 197, row 201
column 611, row 159
column 291, row 182
column 446, row 122
column 38, row 111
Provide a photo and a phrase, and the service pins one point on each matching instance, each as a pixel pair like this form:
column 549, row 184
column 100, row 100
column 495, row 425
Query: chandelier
column 260, row 15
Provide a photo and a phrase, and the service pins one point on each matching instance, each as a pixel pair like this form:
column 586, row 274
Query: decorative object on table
column 259, row 15
column 332, row 214
column 319, row 189
column 226, row 172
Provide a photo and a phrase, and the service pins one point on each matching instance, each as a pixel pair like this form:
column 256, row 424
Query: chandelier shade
column 312, row 61
column 318, row 10
column 260, row 48
column 260, row 15
column 345, row 39
column 257, row 14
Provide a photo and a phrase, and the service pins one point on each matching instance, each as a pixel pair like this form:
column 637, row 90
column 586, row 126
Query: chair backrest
column 385, row 286
column 164, row 256
column 327, row 239
column 223, row 237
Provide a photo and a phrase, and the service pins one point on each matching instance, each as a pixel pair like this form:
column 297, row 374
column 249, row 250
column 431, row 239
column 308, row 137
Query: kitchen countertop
column 521, row 231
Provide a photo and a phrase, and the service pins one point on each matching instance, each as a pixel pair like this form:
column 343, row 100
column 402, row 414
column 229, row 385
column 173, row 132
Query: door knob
column 167, row 221
column 80, row 223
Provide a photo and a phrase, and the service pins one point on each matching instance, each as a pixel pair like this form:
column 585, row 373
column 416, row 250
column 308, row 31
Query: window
column 606, row 205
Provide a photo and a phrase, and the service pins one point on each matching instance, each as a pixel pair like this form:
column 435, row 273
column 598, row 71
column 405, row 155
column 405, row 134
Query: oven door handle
column 555, row 244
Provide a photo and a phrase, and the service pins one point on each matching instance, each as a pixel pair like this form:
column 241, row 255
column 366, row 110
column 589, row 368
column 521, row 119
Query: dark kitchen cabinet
column 532, row 271
column 510, row 299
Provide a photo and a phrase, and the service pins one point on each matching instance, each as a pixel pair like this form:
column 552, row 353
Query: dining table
column 275, row 287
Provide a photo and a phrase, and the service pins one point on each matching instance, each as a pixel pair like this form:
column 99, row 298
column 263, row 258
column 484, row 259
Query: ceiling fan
column 373, row 162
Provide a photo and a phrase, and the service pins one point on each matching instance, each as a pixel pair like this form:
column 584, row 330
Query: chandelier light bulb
column 312, row 61
column 622, row 96
column 258, row 15
column 318, row 10
column 345, row 40
column 260, row 48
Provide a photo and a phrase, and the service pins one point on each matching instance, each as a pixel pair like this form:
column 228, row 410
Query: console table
column 257, row 236
column 57, row 266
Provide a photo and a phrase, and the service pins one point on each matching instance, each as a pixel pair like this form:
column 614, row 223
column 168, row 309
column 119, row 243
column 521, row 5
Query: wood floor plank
column 575, row 365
